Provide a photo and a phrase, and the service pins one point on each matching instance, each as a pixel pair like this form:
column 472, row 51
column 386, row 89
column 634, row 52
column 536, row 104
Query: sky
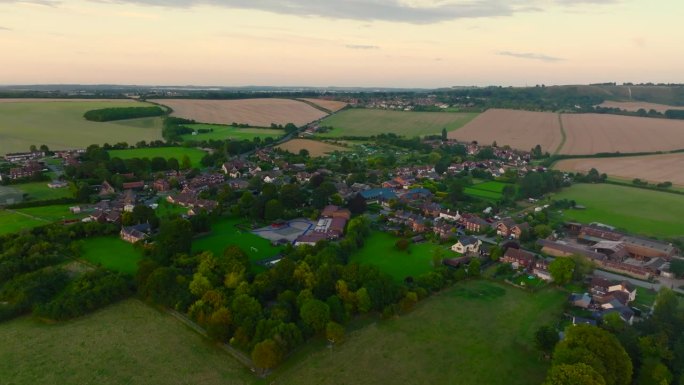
column 368, row 43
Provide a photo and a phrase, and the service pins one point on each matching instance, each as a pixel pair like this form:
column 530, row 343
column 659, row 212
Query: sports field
column 367, row 122
column 379, row 250
column 60, row 125
column 38, row 191
column 126, row 343
column 111, row 253
column 194, row 154
column 224, row 233
column 12, row 222
column 636, row 210
column 477, row 332
column 488, row 190
column 222, row 132
column 18, row 219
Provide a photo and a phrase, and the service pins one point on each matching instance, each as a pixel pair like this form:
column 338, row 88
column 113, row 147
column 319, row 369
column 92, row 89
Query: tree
column 583, row 267
column 561, row 270
column 273, row 210
column 654, row 372
column 545, row 339
column 542, row 231
column 474, row 267
column 597, row 348
column 266, row 354
column 334, row 332
column 357, row 205
column 175, row 237
column 577, row 374
column 315, row 313
column 677, row 267
column 363, row 300
column 402, row 244
column 185, row 163
column 444, row 134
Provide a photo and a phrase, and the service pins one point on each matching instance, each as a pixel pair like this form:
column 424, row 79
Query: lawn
column 15, row 220
column 645, row 299
column 12, row 222
column 112, row 253
column 223, row 132
column 166, row 209
column 367, row 122
column 379, row 250
column 194, row 154
column 61, row 125
column 126, row 343
column 487, row 190
column 477, row 332
column 52, row 213
column 224, row 233
column 39, row 191
column 640, row 211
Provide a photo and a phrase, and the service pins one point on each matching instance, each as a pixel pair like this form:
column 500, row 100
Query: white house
column 466, row 245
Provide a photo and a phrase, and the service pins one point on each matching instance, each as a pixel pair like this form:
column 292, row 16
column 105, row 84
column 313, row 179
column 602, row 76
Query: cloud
column 46, row 3
column 5, row 28
column 530, row 56
column 361, row 46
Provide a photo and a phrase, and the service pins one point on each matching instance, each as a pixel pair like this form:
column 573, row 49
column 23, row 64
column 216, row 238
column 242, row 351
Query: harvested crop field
column 255, row 112
column 636, row 106
column 331, row 105
column 600, row 133
column 363, row 122
column 33, row 100
column 519, row 129
column 314, row 147
column 651, row 168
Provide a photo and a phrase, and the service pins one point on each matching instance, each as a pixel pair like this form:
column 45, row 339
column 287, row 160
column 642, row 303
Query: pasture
column 39, row 191
column 111, row 253
column 651, row 168
column 224, row 233
column 12, row 222
column 636, row 106
column 598, row 133
column 194, row 154
column 223, row 132
column 126, row 343
column 640, row 211
column 379, row 250
column 330, row 105
column 368, row 122
column 521, row 130
column 314, row 147
column 51, row 213
column 60, row 125
column 476, row 332
column 488, row 190
column 255, row 112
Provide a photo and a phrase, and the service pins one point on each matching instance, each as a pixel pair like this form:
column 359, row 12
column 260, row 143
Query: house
column 137, row 233
column 623, row 291
column 452, row 216
column 508, row 228
column 332, row 211
column 518, row 258
column 106, row 189
column 133, row 185
column 467, row 245
column 376, row 195
column 444, row 230
column 161, row 185
column 541, row 269
column 518, row 230
column 27, row 171
column 580, row 300
column 473, row 223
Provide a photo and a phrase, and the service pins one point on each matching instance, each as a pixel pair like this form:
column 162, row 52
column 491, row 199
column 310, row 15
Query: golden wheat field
column 652, row 168
column 330, row 105
column 314, row 147
column 636, row 106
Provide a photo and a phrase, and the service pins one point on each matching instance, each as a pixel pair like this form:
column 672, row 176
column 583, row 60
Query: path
column 563, row 136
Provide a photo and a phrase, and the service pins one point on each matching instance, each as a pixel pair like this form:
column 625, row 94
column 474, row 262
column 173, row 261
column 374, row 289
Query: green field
column 15, row 220
column 223, row 132
column 12, row 222
column 112, row 253
column 224, row 233
column 379, row 250
column 367, row 122
column 61, row 125
column 52, row 213
column 646, row 212
column 39, row 191
column 127, row 343
column 477, row 332
column 488, row 190
column 194, row 154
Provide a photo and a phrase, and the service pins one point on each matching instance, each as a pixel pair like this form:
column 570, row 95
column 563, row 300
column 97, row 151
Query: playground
column 288, row 231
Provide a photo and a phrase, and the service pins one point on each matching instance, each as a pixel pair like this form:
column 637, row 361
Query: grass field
column 52, row 213
column 379, row 250
column 367, row 122
column 474, row 333
column 487, row 190
column 315, row 148
column 112, row 253
column 127, row 343
column 224, row 233
column 39, row 191
column 61, row 125
column 12, row 222
column 194, row 154
column 636, row 210
column 222, row 132
column 18, row 219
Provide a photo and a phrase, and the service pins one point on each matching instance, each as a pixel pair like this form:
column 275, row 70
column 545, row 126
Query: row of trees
column 121, row 113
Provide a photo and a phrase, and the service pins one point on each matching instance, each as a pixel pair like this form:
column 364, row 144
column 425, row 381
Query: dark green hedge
column 109, row 114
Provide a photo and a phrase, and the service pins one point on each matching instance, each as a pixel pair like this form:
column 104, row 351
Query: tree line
column 121, row 113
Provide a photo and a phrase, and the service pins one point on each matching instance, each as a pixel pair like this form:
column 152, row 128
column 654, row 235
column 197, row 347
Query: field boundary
column 564, row 136
column 314, row 105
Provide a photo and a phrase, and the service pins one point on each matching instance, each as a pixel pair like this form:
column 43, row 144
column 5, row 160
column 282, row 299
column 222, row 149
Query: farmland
column 223, row 132
column 597, row 133
column 330, row 105
column 379, row 250
column 487, row 190
column 224, row 233
column 646, row 212
column 635, row 106
column 367, row 122
column 126, row 343
column 255, row 112
column 652, row 168
column 111, row 253
column 476, row 332
column 314, row 147
column 60, row 125
column 194, row 154
column 519, row 129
